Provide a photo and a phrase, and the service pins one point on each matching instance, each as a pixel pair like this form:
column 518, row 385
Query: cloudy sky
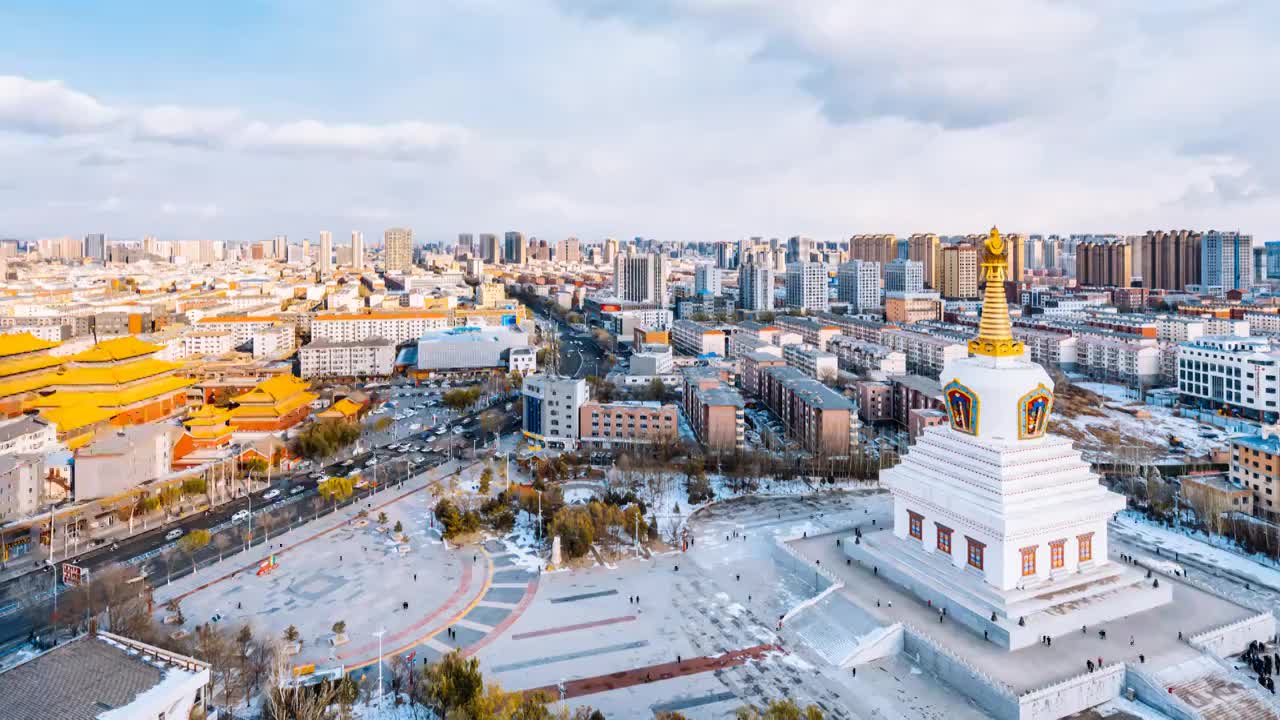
column 675, row 119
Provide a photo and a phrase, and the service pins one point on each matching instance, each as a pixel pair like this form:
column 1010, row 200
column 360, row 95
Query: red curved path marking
column 655, row 673
column 454, row 598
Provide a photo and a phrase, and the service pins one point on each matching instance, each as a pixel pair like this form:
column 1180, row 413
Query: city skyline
column 310, row 125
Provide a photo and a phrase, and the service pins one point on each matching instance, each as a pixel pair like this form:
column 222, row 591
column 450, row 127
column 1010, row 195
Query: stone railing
column 995, row 696
column 1152, row 693
column 1072, row 695
column 1234, row 637
column 803, row 564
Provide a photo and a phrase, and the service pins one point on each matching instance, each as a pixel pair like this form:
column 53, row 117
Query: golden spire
column 995, row 334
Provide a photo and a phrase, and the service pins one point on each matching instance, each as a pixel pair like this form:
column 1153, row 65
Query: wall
column 1152, row 693
column 1073, row 695
column 1232, row 639
column 990, row 694
column 881, row 643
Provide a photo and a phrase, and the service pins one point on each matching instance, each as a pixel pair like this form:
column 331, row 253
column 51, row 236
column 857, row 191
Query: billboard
column 73, row 575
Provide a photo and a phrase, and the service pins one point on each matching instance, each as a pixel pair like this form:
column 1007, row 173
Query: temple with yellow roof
column 120, row 377
column 277, row 403
column 26, row 365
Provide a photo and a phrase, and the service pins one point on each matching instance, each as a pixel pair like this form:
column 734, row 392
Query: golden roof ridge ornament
column 995, row 332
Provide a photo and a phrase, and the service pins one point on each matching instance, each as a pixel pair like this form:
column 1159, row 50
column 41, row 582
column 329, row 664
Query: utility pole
column 379, row 634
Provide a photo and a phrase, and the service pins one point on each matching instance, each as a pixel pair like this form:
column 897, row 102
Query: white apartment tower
column 755, row 285
column 326, row 252
column 397, row 249
column 707, row 280
column 807, row 286
column 357, row 250
column 858, row 283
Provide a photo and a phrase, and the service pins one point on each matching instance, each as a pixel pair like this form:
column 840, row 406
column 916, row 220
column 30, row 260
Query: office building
column 728, row 256
column 1230, row 372
column 397, row 249
column 857, row 283
column 610, row 250
column 806, row 286
column 707, row 279
column 1226, row 261
column 904, row 276
column 465, row 246
column 490, row 248
column 516, row 251
column 641, row 278
column 280, row 247
column 960, row 272
column 552, row 409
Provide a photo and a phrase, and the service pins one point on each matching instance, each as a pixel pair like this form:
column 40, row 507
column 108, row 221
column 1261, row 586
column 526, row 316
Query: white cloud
column 49, row 108
column 406, row 140
column 188, row 126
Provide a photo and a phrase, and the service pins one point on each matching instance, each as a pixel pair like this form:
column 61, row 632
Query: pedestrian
column 415, row 577
column 1084, row 630
column 1049, row 641
column 985, row 635
column 1142, row 658
column 738, row 578
column 1130, row 641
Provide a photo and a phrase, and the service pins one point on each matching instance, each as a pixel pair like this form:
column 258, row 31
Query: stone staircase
column 1216, row 692
column 833, row 628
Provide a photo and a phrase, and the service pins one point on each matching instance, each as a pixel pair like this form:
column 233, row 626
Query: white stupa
column 993, row 516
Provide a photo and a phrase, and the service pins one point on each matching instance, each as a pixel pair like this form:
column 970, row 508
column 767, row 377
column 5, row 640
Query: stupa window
column 1028, row 561
column 1086, row 546
column 916, row 525
column 1057, row 554
column 944, row 539
column 976, row 552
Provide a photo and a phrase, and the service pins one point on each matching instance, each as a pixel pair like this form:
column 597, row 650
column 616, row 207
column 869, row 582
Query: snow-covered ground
column 1156, row 429
column 1218, row 553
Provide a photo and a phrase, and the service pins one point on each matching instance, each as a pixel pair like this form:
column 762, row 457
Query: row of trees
column 494, row 513
column 324, row 439
column 580, row 526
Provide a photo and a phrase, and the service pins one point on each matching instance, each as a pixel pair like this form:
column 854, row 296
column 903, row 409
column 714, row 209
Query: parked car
column 271, row 494
column 296, row 489
column 173, row 534
column 240, row 516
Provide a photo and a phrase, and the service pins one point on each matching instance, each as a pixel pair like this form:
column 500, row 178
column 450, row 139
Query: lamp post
column 379, row 634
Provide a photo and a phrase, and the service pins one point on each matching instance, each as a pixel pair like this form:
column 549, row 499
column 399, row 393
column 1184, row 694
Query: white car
column 271, row 494
column 173, row 534
column 240, row 516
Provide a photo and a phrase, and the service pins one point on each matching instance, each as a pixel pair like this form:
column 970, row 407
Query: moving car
column 173, row 534
column 271, row 494
column 240, row 516
column 296, row 489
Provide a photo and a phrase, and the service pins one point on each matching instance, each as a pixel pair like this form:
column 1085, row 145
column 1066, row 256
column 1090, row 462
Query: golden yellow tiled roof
column 30, row 383
column 20, row 365
column 273, row 389
column 121, row 348
column 207, row 415
column 112, row 399
column 345, row 407
column 73, row 417
column 277, row 409
column 19, row 343
column 120, row 374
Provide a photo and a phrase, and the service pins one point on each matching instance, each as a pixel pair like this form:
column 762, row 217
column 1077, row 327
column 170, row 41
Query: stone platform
column 1055, row 606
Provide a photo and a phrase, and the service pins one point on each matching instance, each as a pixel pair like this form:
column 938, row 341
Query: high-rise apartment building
column 517, row 253
column 357, row 250
column 95, row 247
column 960, row 272
column 798, row 249
column 610, row 250
column 1104, row 264
column 707, row 280
column 1226, row 260
column 904, row 276
column 1016, row 253
column 1034, row 258
column 569, row 250
column 280, row 247
column 727, row 255
column 490, row 248
column 1171, row 260
column 325, row 263
column 806, row 285
column 397, row 249
column 926, row 249
column 755, row 285
column 641, row 278
column 881, row 249
column 857, row 283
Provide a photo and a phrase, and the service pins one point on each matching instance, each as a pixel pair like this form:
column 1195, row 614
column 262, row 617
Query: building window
column 1028, row 561
column 1057, row 554
column 915, row 525
column 944, row 539
column 1086, row 546
column 976, row 550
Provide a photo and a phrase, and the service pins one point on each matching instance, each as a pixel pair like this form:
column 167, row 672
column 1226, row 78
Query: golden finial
column 995, row 332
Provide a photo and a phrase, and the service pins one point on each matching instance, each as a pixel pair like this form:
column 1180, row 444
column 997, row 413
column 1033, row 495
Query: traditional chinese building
column 207, row 432
column 276, row 404
column 120, row 376
column 26, row 366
